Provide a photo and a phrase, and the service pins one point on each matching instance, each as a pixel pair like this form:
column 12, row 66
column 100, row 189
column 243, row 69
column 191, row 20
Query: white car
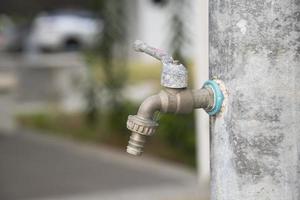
column 64, row 30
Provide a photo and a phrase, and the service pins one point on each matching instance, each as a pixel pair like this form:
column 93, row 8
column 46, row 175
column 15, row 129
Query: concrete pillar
column 255, row 146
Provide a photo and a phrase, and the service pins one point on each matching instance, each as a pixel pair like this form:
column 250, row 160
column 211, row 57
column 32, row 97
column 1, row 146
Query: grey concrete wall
column 254, row 49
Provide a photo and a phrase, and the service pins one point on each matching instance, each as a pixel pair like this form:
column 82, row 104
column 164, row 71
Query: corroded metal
column 174, row 74
column 159, row 54
column 174, row 98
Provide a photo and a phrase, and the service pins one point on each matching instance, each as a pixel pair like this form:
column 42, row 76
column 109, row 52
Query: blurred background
column 68, row 80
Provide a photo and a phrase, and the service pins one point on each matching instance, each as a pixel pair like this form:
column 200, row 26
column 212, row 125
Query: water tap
column 175, row 98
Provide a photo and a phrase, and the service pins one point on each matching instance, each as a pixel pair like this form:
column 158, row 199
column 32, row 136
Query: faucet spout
column 174, row 98
column 143, row 124
column 150, row 106
column 169, row 100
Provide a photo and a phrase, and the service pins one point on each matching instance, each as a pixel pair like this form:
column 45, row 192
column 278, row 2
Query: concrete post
column 255, row 146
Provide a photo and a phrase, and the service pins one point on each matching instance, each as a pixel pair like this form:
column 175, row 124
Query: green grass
column 174, row 140
column 137, row 71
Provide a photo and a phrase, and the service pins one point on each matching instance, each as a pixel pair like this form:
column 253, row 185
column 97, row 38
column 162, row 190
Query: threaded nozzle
column 136, row 144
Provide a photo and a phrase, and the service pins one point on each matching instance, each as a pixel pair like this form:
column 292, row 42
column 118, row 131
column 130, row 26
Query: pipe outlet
column 175, row 98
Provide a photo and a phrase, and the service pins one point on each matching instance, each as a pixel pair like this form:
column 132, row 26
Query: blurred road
column 42, row 167
column 8, row 82
column 36, row 166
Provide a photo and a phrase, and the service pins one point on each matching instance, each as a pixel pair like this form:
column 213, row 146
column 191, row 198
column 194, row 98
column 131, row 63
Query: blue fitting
column 218, row 96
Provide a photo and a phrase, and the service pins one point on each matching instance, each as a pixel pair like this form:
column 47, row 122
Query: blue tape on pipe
column 218, row 96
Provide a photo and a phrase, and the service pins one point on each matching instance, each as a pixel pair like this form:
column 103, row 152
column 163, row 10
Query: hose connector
column 175, row 98
column 140, row 128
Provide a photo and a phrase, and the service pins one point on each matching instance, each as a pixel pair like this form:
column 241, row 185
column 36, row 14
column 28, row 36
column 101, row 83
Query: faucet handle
column 159, row 54
column 174, row 74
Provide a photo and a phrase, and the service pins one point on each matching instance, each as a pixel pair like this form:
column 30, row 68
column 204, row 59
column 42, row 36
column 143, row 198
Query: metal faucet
column 173, row 98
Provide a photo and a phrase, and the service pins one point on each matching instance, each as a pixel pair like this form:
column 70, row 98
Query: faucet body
column 175, row 98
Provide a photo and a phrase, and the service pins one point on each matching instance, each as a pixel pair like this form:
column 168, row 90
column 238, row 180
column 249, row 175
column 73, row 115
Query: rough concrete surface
column 255, row 50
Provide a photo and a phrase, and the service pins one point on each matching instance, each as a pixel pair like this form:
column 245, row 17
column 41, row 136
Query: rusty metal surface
column 174, row 74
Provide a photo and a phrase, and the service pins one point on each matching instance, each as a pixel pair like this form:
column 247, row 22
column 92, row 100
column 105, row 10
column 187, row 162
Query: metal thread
column 136, row 144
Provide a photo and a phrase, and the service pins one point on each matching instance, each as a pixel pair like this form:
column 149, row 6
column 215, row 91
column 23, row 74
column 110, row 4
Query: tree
column 179, row 28
column 112, row 49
